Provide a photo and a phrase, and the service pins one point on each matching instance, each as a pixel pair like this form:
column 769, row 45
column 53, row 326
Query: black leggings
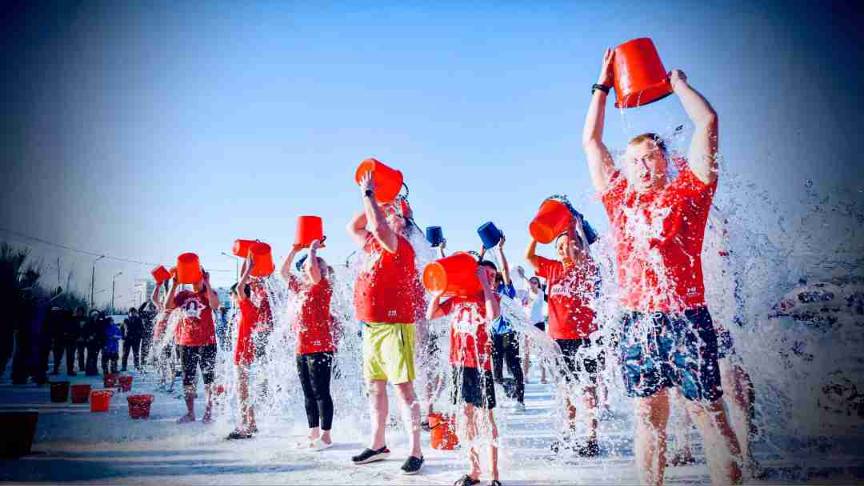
column 505, row 347
column 314, row 370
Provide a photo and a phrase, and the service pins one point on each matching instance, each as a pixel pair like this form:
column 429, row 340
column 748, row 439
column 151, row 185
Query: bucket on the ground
column 262, row 258
column 434, row 235
column 443, row 431
column 124, row 383
column 80, row 393
column 490, row 235
column 309, row 229
column 640, row 77
column 551, row 220
column 189, row 269
column 139, row 406
column 100, row 400
column 109, row 380
column 59, row 391
column 160, row 274
column 388, row 181
column 454, row 275
column 18, row 431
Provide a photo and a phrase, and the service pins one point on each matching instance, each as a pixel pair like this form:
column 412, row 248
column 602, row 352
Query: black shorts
column 540, row 325
column 261, row 339
column 470, row 385
column 577, row 363
column 193, row 356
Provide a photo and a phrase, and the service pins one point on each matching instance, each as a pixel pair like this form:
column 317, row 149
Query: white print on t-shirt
column 192, row 308
column 467, row 319
column 646, row 222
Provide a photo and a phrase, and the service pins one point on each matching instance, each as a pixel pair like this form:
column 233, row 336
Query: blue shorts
column 664, row 350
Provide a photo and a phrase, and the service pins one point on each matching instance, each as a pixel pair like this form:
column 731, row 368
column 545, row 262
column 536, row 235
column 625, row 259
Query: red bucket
column 139, row 406
column 263, row 258
column 80, row 393
column 241, row 247
column 640, row 77
column 388, row 181
column 309, row 229
column 189, row 269
column 125, row 383
column 551, row 220
column 160, row 274
column 455, row 275
column 443, row 431
column 100, row 400
column 59, row 391
column 109, row 380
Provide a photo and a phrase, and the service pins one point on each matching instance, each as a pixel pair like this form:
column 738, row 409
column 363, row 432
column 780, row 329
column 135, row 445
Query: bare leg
column 493, row 446
column 720, row 444
column 208, row 404
column 243, row 396
column 411, row 415
column 736, row 391
column 379, row 410
column 526, row 360
column 589, row 401
column 652, row 416
column 682, row 453
column 471, row 434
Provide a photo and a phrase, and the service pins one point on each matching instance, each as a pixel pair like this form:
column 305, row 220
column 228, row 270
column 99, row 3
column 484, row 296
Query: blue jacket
column 112, row 338
column 502, row 326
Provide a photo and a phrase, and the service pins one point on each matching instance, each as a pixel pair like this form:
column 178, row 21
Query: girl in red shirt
column 244, row 351
column 315, row 341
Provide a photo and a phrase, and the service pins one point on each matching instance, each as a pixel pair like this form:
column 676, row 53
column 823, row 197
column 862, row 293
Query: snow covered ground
column 73, row 444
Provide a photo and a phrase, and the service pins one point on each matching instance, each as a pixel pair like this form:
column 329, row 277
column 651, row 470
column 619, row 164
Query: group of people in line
column 668, row 347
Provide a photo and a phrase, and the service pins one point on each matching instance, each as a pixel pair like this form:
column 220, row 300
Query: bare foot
column 186, row 419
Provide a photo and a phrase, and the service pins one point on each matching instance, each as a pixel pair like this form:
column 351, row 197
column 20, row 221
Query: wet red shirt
column 385, row 287
column 196, row 325
column 244, row 352
column 264, row 322
column 570, row 290
column 161, row 325
column 314, row 324
column 658, row 241
column 470, row 342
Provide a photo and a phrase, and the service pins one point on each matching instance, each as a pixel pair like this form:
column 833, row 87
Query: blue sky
column 146, row 129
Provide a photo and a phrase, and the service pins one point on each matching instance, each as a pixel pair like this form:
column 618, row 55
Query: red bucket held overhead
column 160, row 274
column 443, row 431
column 189, row 269
column 551, row 220
column 640, row 77
column 455, row 275
column 139, row 406
column 388, row 181
column 80, row 393
column 263, row 259
column 309, row 229
column 100, row 400
column 241, row 247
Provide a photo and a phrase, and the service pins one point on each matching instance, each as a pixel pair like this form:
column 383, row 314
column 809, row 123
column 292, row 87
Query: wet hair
column 132, row 309
column 657, row 139
column 488, row 264
column 246, row 287
column 535, row 279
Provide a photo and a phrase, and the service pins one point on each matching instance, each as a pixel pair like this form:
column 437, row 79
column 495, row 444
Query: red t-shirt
column 385, row 287
column 658, row 241
column 196, row 326
column 570, row 292
column 161, row 324
column 264, row 322
column 314, row 324
column 244, row 352
column 470, row 342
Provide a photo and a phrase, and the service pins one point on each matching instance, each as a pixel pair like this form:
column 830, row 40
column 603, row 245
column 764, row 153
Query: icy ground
column 73, row 444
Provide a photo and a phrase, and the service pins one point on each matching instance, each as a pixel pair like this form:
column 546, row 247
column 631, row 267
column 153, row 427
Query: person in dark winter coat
column 133, row 331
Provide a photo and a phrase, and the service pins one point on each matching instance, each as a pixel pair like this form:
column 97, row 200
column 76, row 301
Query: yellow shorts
column 388, row 352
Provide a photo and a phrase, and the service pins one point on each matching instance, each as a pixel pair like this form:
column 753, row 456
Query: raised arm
column 434, row 310
column 441, row 249
column 505, row 267
column 212, row 296
column 531, row 254
column 169, row 299
column 242, row 294
column 154, row 297
column 377, row 222
column 314, row 269
column 285, row 270
column 493, row 308
column 702, row 157
column 600, row 163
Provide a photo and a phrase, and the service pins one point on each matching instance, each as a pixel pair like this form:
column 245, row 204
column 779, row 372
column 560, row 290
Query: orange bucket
column 100, row 400
column 109, row 380
column 443, row 431
column 139, row 406
column 640, row 77
column 388, row 181
column 263, row 258
column 80, row 393
column 160, row 274
column 189, row 269
column 241, row 247
column 455, row 275
column 551, row 220
column 125, row 383
column 309, row 229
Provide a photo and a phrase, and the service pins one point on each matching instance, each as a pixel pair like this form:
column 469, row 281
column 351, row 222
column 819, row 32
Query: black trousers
column 505, row 348
column 314, row 370
column 133, row 345
column 59, row 349
column 109, row 359
column 92, row 359
column 81, row 350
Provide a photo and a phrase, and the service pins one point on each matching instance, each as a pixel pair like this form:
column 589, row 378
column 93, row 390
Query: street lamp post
column 236, row 264
column 113, row 280
column 93, row 279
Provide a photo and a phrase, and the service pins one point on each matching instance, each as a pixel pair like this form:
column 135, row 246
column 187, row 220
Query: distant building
column 142, row 290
